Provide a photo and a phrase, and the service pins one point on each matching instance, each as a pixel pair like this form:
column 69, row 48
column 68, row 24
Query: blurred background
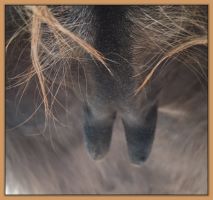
column 54, row 160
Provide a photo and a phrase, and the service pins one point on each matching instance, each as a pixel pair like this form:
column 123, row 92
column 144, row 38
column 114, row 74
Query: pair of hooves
column 139, row 134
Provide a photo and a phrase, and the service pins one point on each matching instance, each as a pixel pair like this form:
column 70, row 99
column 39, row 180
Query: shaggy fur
column 68, row 65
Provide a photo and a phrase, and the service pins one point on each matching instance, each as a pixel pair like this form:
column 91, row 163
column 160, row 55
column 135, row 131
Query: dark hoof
column 140, row 136
column 98, row 133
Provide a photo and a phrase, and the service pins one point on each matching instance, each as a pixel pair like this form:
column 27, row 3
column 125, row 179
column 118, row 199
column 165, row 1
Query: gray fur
column 55, row 161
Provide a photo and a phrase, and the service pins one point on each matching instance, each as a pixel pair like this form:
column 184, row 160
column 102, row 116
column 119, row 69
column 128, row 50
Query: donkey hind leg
column 98, row 131
column 140, row 135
